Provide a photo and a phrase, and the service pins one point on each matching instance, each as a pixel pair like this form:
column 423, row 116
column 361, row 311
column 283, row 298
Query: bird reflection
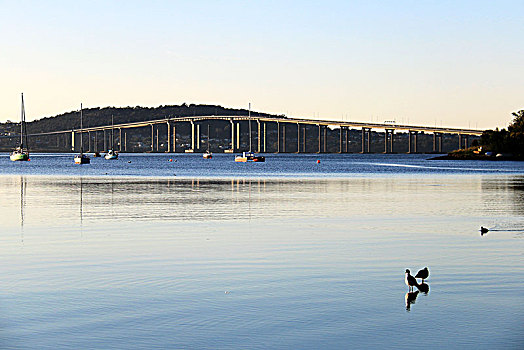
column 423, row 287
column 410, row 299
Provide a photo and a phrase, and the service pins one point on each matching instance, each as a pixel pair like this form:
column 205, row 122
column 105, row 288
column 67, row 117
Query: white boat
column 207, row 154
column 111, row 154
column 82, row 158
column 21, row 153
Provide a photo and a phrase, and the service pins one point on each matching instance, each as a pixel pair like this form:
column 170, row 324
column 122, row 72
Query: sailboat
column 110, row 153
column 249, row 156
column 207, row 155
column 82, row 158
column 21, row 152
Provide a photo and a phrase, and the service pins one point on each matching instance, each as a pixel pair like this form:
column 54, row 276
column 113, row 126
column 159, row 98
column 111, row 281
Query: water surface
column 287, row 254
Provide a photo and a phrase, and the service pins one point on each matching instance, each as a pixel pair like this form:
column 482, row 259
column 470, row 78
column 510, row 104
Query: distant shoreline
column 475, row 157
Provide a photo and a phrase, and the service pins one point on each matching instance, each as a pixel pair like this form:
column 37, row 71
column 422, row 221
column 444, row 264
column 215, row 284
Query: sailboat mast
column 22, row 121
column 208, row 138
column 81, row 132
column 249, row 121
column 112, row 134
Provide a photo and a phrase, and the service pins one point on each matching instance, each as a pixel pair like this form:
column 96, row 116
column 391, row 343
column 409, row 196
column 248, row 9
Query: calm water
column 290, row 254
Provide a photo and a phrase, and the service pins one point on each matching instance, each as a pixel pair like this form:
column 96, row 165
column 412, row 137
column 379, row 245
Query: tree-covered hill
column 102, row 116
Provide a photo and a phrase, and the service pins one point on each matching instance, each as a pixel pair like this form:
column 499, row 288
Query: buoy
column 170, row 159
column 129, row 161
column 318, row 161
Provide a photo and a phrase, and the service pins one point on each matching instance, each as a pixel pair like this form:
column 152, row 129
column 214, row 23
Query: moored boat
column 82, row 158
column 111, row 154
column 21, row 153
column 249, row 157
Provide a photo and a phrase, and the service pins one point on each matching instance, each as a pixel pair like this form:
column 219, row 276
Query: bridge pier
column 437, row 141
column 238, row 135
column 169, row 149
column 284, row 137
column 366, row 143
column 298, row 137
column 388, row 140
column 119, row 139
column 125, row 141
column 460, row 141
column 259, row 135
column 412, row 142
column 232, row 125
column 319, row 138
column 278, row 137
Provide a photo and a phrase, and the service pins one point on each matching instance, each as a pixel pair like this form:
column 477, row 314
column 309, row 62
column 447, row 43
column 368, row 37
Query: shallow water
column 285, row 255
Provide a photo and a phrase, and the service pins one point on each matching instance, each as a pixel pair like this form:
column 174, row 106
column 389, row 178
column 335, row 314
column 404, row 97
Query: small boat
column 82, row 158
column 21, row 153
column 249, row 157
column 96, row 154
column 207, row 154
column 111, row 154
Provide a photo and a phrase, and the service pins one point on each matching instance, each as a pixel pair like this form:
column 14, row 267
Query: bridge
column 261, row 134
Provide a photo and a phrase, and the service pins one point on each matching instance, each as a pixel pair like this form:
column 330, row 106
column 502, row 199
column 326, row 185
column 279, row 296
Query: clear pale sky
column 455, row 63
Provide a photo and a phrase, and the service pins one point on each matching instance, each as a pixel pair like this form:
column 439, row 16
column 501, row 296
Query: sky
column 450, row 63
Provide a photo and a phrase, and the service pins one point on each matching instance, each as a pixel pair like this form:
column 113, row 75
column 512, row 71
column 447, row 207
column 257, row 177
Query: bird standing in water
column 424, row 274
column 410, row 280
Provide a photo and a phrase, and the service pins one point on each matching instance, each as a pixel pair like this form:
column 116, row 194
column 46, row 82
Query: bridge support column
column 369, row 140
column 120, row 140
column 434, row 142
column 340, row 140
column 105, row 141
column 238, row 135
column 298, row 137
column 284, row 137
column 363, row 140
column 325, row 139
column 157, row 140
column 440, row 143
column 278, row 137
column 73, row 140
column 152, row 138
column 259, row 135
column 265, row 137
column 412, row 141
column 232, row 124
column 89, row 141
column 192, row 135
column 388, row 140
column 125, row 141
column 169, row 150
column 346, row 143
column 460, row 141
column 96, row 141
column 198, row 137
column 319, row 138
column 466, row 141
column 304, row 140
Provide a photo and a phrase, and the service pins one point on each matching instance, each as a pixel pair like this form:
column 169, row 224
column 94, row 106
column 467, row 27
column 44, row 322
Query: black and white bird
column 424, row 274
column 410, row 280
column 483, row 230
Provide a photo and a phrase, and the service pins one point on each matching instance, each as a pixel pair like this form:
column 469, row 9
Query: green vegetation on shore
column 496, row 144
